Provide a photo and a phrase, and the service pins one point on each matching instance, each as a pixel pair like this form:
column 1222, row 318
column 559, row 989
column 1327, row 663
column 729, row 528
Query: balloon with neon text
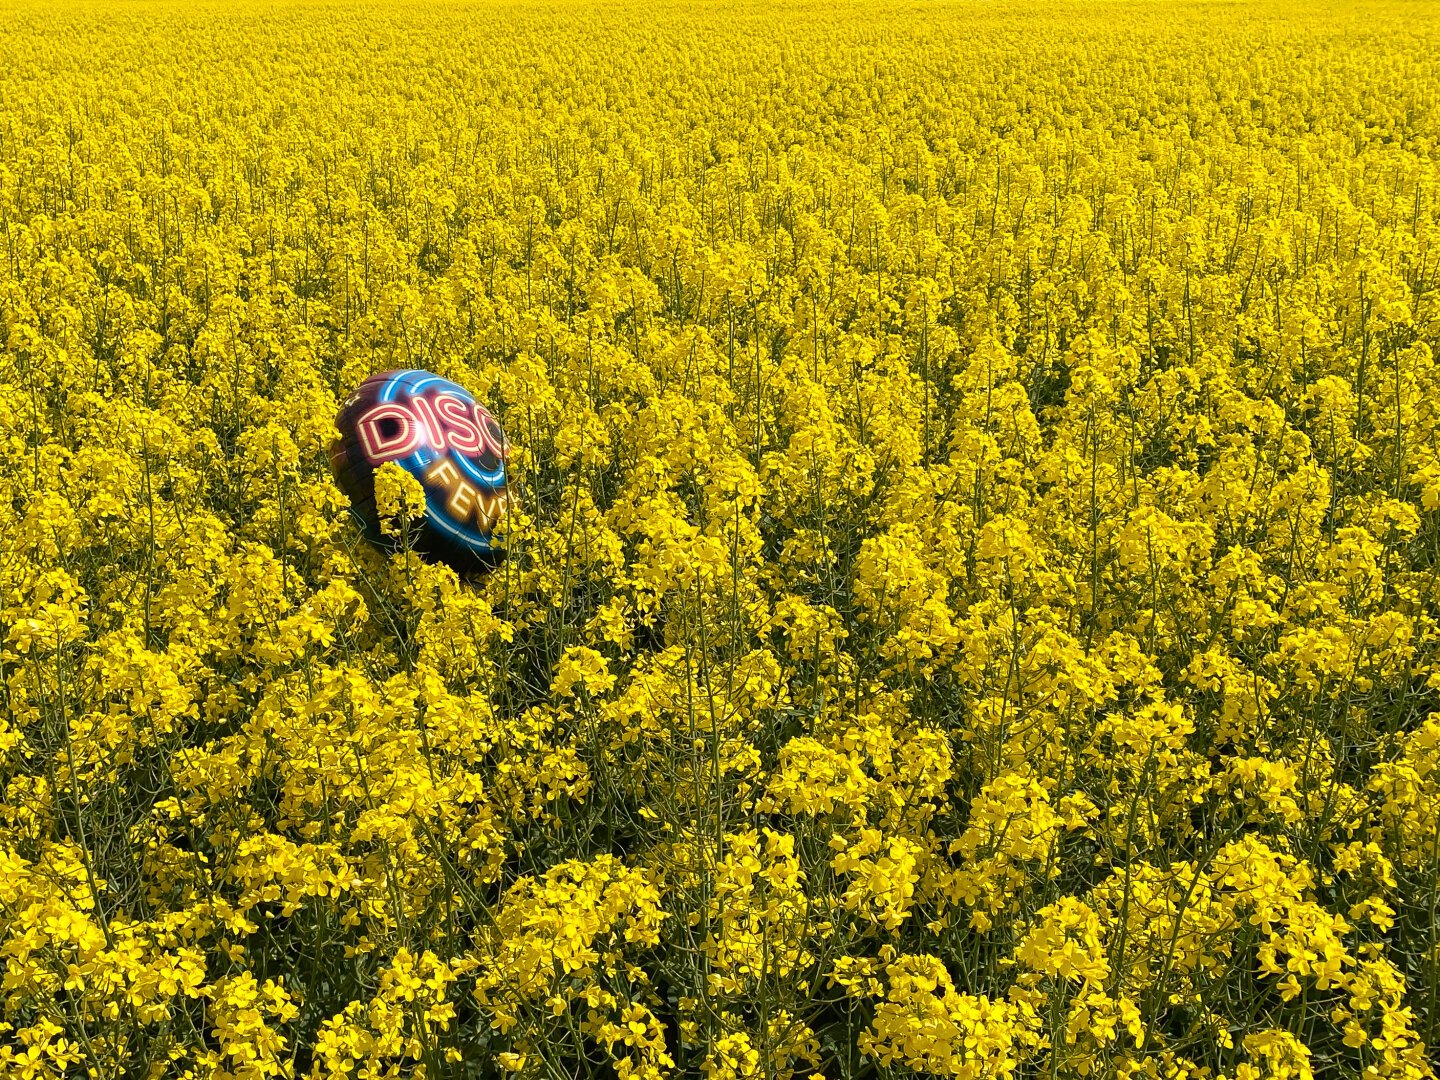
column 436, row 431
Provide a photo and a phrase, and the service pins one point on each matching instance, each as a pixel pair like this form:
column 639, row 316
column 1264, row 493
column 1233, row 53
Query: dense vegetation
column 972, row 597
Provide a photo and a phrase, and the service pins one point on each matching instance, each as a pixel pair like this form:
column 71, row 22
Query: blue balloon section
column 436, row 431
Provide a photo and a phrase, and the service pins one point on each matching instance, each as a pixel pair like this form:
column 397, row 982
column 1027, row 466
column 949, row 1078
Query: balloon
column 436, row 431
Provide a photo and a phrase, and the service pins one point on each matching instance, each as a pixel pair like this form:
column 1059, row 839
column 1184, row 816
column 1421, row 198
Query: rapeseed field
column 973, row 552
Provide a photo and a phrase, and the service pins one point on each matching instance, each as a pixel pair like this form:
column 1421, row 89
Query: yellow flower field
column 973, row 595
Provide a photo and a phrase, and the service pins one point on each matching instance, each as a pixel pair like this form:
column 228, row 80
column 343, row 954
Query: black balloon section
column 436, row 431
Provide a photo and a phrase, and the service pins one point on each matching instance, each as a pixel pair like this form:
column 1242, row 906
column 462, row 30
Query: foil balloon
column 436, row 431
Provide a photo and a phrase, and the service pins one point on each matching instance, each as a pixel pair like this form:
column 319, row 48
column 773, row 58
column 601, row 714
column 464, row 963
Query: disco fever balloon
column 436, row 431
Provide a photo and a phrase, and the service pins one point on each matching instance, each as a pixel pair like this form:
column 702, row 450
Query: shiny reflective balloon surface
column 435, row 430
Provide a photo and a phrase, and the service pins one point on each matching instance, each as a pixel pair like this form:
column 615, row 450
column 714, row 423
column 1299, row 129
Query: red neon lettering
column 433, row 435
column 387, row 432
column 460, row 431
